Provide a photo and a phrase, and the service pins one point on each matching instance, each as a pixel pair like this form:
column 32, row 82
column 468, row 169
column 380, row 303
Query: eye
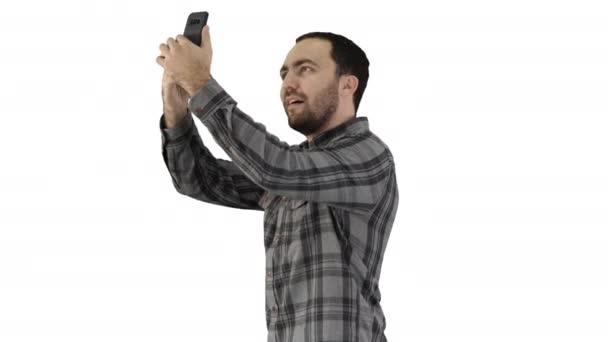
column 301, row 69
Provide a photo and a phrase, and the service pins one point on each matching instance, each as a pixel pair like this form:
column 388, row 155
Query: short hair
column 349, row 58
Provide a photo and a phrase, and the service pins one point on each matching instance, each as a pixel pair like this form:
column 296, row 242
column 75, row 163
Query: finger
column 171, row 43
column 206, row 37
column 180, row 38
column 161, row 61
column 164, row 49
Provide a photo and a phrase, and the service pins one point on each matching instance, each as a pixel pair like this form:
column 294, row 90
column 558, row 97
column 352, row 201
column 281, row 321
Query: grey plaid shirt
column 329, row 207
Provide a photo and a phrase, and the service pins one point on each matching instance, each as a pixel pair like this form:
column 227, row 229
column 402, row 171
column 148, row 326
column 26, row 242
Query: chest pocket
column 296, row 212
column 294, row 204
column 269, row 202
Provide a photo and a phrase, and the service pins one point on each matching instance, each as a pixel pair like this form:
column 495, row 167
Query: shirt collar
column 354, row 125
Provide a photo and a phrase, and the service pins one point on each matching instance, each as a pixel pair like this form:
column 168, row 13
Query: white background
column 495, row 111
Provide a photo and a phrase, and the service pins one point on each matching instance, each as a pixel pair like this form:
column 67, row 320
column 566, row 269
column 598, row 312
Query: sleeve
column 351, row 174
column 198, row 174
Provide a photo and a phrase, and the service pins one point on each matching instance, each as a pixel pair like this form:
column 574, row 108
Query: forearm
column 172, row 120
column 196, row 173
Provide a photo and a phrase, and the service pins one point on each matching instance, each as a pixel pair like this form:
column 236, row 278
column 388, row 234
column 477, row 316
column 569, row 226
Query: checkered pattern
column 329, row 206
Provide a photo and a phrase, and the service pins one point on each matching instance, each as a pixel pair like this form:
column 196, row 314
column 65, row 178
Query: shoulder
column 380, row 144
column 363, row 148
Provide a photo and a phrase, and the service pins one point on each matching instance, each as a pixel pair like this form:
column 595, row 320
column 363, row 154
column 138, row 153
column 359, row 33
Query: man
column 329, row 203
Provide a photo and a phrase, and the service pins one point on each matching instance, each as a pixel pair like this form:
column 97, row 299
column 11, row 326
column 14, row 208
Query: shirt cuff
column 177, row 133
column 208, row 99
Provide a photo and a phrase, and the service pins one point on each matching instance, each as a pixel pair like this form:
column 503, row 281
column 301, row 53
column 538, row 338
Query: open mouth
column 294, row 102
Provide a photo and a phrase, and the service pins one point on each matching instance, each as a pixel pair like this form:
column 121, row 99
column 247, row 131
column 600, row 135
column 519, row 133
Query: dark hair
column 349, row 59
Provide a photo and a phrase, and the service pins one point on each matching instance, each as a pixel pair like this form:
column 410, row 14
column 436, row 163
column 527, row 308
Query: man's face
column 308, row 75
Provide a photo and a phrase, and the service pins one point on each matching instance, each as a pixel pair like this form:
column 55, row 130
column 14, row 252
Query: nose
column 289, row 85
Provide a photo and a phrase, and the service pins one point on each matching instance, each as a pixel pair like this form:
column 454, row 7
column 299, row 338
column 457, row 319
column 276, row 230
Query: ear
column 349, row 84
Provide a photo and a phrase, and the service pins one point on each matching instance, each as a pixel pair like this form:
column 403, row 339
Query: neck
column 335, row 120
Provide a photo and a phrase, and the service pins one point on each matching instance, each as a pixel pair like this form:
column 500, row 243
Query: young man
column 329, row 203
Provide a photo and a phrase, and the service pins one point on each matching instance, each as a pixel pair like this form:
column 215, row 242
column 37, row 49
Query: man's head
column 328, row 73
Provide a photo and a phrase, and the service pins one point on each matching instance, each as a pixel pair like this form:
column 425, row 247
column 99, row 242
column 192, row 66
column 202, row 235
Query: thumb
column 206, row 37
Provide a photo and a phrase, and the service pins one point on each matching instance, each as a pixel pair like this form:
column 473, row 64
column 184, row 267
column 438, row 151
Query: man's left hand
column 188, row 64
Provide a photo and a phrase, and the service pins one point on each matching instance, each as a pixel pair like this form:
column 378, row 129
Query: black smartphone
column 194, row 25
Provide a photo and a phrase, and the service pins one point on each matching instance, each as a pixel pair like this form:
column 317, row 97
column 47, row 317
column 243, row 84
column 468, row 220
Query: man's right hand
column 175, row 101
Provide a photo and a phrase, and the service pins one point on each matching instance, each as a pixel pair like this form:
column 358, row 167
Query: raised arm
column 352, row 172
column 198, row 174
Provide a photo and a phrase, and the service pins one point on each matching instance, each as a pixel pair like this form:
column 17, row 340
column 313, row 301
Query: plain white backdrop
column 495, row 111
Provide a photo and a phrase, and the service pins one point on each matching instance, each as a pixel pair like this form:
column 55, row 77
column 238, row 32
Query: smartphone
column 194, row 25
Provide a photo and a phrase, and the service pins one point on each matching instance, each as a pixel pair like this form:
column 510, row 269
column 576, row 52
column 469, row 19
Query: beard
column 308, row 117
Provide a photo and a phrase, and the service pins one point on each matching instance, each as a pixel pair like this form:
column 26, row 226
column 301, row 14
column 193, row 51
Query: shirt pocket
column 297, row 220
column 298, row 209
column 296, row 204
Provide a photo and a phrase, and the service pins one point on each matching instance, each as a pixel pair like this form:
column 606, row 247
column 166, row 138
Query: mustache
column 301, row 96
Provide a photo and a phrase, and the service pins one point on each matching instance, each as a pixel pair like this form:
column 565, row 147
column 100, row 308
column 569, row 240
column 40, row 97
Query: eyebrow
column 297, row 63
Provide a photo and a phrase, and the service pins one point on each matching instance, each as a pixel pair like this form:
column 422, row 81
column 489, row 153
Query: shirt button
column 268, row 275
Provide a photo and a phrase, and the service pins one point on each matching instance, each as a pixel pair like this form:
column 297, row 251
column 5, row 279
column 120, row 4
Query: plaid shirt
column 329, row 207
